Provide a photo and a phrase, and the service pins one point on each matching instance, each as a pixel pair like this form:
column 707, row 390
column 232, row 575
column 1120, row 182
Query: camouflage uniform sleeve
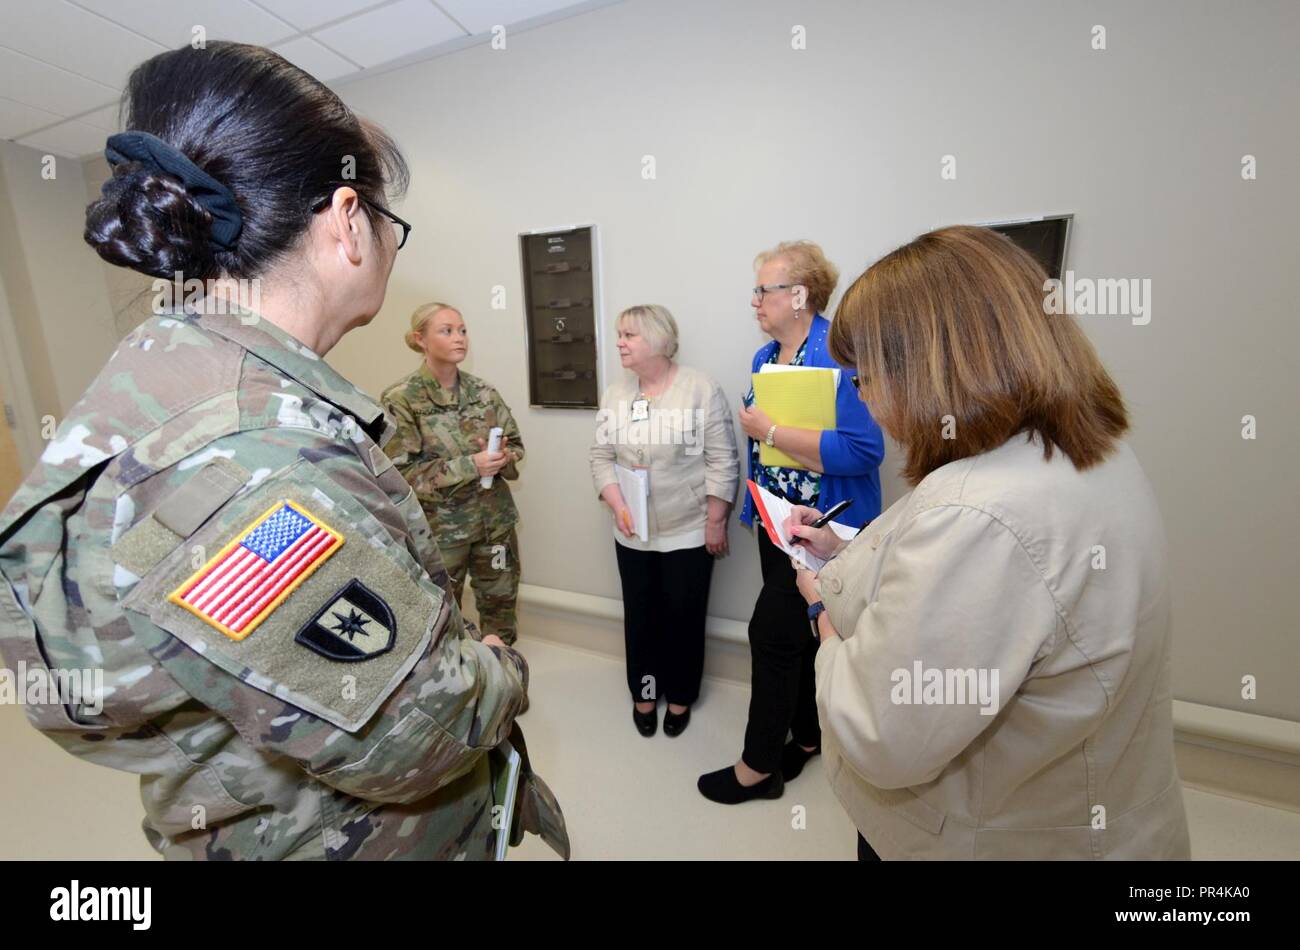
column 426, row 473
column 364, row 673
column 510, row 430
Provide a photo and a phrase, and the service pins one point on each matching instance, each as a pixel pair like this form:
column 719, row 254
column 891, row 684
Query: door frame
column 17, row 389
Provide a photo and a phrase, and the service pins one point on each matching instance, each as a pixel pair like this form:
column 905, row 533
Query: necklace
column 641, row 404
column 668, row 381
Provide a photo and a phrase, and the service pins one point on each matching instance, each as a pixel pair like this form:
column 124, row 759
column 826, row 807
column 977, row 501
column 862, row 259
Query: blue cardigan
column 851, row 452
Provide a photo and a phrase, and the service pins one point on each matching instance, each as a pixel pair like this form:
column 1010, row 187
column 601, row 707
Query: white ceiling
column 64, row 63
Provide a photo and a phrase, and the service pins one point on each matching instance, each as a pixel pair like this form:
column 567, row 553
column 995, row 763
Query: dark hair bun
column 148, row 221
column 274, row 137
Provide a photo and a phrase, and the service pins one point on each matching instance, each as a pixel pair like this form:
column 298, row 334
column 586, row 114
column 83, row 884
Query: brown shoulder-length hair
column 956, row 354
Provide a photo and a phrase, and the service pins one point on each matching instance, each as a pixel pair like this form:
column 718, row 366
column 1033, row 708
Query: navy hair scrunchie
column 215, row 197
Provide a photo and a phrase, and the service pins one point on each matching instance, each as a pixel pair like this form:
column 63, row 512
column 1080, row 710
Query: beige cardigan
column 689, row 445
column 1056, row 580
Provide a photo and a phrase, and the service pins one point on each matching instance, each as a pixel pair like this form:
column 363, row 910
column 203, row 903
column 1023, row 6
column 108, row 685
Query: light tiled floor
column 624, row 796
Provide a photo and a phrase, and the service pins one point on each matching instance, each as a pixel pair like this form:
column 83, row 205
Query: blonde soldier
column 215, row 535
column 444, row 417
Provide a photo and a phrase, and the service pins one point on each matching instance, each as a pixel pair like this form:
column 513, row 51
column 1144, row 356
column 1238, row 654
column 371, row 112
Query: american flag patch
column 253, row 574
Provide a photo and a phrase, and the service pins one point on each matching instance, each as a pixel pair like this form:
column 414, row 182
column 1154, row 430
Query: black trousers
column 865, row 851
column 665, row 601
column 782, row 650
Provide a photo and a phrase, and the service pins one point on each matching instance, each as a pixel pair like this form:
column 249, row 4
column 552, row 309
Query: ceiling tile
column 308, row 55
column 69, row 37
column 17, row 119
column 38, row 84
column 391, row 32
column 171, row 22
column 479, row 16
column 74, row 139
column 309, row 14
column 104, row 119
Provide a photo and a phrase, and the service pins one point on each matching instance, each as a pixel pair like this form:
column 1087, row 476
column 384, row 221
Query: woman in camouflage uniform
column 443, row 417
column 215, row 533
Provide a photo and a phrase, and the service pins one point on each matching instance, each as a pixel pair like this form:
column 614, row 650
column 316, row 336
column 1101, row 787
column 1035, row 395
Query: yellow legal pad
column 801, row 398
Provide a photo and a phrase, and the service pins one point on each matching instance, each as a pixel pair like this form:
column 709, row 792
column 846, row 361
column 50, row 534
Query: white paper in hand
column 634, row 483
column 774, row 510
column 494, row 445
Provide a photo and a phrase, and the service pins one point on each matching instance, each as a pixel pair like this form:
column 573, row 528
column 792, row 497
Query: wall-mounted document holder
column 1047, row 238
column 562, row 319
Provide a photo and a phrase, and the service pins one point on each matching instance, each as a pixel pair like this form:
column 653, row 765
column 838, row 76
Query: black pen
column 826, row 519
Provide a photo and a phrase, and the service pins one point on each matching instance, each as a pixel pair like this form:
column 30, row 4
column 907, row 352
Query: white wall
column 54, row 282
column 841, row 143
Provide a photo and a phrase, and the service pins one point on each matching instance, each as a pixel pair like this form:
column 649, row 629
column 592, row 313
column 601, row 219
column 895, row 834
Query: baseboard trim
column 1265, row 734
column 1243, row 755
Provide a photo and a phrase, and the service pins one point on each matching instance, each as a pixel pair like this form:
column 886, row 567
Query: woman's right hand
column 820, row 541
column 623, row 518
column 613, row 497
column 489, row 463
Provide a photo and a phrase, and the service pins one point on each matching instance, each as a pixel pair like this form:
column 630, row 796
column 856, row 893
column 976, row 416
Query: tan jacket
column 1055, row 581
column 689, row 445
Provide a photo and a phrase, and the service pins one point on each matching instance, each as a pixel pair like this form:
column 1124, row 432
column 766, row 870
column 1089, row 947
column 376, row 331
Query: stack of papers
column 802, row 397
column 782, row 368
column 634, row 483
column 774, row 510
column 504, row 793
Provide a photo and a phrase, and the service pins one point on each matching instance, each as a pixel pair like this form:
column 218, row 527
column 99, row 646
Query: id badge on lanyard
column 641, row 413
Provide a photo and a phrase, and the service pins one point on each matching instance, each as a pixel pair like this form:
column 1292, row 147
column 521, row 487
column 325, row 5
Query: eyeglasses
column 405, row 228
column 762, row 289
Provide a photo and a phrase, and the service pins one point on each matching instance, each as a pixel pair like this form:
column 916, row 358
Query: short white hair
column 654, row 323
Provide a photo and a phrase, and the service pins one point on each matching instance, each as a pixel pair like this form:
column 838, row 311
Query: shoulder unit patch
column 355, row 624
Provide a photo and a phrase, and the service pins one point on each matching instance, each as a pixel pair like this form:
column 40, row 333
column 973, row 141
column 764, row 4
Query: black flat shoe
column 793, row 758
column 646, row 723
column 675, row 725
column 724, row 788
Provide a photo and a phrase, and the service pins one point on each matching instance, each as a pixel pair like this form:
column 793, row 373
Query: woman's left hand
column 807, row 582
column 755, row 422
column 715, row 537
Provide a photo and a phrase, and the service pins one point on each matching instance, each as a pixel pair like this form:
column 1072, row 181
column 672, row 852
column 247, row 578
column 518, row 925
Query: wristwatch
column 771, row 437
column 815, row 611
